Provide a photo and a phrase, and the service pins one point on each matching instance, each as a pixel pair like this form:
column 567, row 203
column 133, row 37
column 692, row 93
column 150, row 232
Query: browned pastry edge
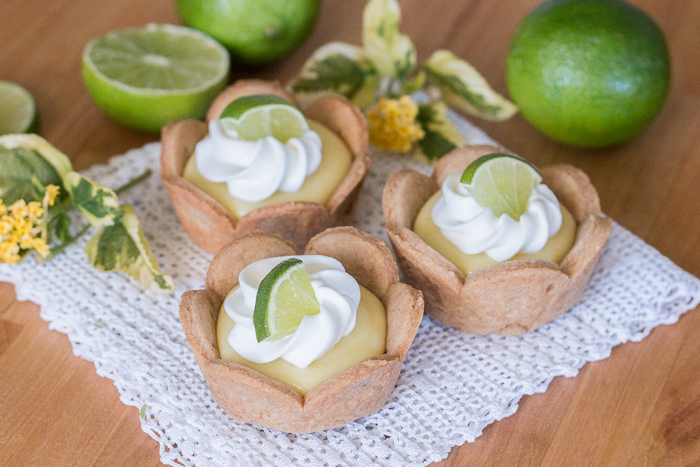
column 508, row 298
column 376, row 272
column 360, row 390
column 211, row 226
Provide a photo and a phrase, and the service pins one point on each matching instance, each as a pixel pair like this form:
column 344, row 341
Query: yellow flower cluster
column 23, row 227
column 392, row 124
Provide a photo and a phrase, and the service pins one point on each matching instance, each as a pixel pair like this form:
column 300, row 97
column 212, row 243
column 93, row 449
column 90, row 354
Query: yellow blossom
column 21, row 225
column 22, row 229
column 26, row 241
column 6, row 226
column 9, row 252
column 40, row 246
column 50, row 194
column 14, row 237
column 35, row 210
column 393, row 126
column 19, row 209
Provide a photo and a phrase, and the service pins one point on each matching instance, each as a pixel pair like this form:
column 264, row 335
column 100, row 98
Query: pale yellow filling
column 366, row 340
column 318, row 186
column 555, row 250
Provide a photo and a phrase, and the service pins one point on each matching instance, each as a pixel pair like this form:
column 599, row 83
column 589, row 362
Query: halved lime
column 284, row 297
column 501, row 182
column 17, row 110
column 146, row 77
column 255, row 117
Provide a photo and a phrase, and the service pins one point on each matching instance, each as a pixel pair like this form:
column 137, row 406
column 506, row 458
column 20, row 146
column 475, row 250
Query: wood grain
column 641, row 406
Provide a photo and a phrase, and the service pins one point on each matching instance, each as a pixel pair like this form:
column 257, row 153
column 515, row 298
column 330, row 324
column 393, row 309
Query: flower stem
column 134, row 181
column 57, row 250
column 68, row 205
column 61, row 208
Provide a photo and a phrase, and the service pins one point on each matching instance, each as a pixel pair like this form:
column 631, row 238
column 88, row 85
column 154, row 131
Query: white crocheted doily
column 452, row 385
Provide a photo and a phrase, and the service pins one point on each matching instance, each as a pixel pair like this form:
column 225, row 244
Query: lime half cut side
column 17, row 109
column 284, row 297
column 146, row 77
column 501, row 182
column 257, row 116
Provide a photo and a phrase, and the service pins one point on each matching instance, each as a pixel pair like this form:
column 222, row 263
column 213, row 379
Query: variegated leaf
column 53, row 156
column 441, row 136
column 337, row 68
column 97, row 203
column 123, row 247
column 392, row 53
column 465, row 89
column 28, row 163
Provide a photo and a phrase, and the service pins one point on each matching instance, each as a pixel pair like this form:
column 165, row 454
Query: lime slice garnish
column 17, row 110
column 501, row 182
column 146, row 77
column 284, row 297
column 255, row 117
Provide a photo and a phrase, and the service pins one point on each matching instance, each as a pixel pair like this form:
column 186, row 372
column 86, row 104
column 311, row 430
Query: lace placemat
column 452, row 385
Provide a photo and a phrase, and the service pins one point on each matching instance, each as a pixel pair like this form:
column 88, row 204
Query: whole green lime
column 255, row 31
column 588, row 73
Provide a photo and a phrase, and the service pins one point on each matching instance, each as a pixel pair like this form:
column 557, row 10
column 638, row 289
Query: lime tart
column 302, row 342
column 260, row 163
column 496, row 245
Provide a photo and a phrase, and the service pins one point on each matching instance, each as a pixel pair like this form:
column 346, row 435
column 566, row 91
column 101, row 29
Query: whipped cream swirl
column 475, row 229
column 254, row 170
column 337, row 292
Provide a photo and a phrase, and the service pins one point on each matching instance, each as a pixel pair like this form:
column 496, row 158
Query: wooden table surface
column 641, row 406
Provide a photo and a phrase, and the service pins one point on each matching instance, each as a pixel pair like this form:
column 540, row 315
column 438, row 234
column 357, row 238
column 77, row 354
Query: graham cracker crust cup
column 509, row 298
column 211, row 226
column 362, row 389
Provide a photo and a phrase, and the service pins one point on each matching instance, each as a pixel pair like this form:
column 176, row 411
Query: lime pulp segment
column 255, row 117
column 158, row 57
column 285, row 296
column 501, row 182
column 17, row 110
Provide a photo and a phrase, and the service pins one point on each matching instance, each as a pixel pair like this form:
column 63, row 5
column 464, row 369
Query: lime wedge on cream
column 501, row 182
column 284, row 297
column 257, row 116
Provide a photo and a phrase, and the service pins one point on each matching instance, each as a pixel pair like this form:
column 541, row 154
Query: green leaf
column 441, row 136
column 337, row 68
column 123, row 247
column 464, row 88
column 97, row 203
column 392, row 53
column 23, row 174
column 53, row 156
column 413, row 85
column 63, row 223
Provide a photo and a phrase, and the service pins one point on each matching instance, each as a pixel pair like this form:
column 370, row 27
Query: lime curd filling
column 323, row 345
column 547, row 231
column 317, row 185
